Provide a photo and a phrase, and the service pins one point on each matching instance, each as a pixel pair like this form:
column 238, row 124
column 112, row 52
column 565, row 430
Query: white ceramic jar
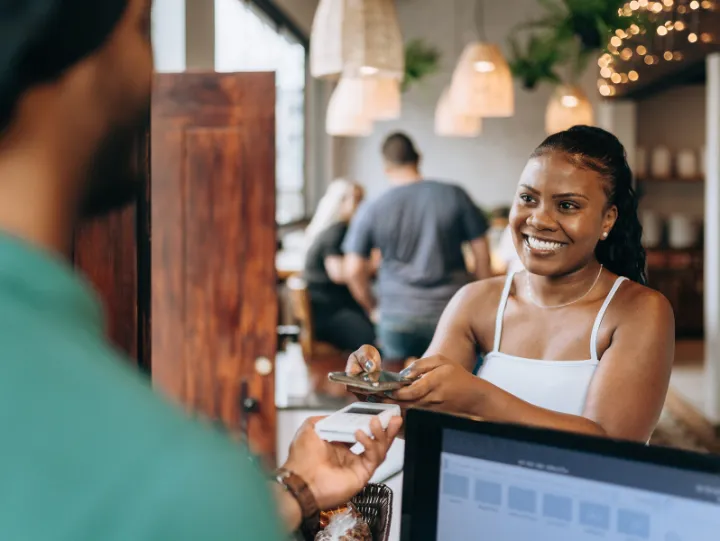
column 661, row 166
column 687, row 164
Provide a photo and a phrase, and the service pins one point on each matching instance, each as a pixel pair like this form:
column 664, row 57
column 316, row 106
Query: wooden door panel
column 213, row 242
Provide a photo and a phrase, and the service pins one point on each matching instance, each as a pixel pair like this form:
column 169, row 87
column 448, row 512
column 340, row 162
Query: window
column 246, row 39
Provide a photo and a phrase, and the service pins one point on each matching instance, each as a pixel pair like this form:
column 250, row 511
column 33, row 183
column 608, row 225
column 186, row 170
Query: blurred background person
column 337, row 316
column 419, row 226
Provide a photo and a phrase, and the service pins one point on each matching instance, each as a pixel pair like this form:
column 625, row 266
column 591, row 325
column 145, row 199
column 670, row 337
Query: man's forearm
column 362, row 292
column 288, row 507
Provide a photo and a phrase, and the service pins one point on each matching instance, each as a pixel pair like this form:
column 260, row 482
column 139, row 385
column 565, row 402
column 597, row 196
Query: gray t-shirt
column 420, row 229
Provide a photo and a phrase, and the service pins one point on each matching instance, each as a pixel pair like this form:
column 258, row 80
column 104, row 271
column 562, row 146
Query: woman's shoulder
column 484, row 291
column 636, row 300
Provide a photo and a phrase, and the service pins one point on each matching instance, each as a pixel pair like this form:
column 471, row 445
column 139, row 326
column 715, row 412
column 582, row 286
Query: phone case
column 363, row 384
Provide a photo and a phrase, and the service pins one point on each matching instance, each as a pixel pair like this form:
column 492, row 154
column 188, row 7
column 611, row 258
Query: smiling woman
column 587, row 347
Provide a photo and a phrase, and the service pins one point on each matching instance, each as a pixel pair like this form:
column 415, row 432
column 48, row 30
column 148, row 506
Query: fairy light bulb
column 615, row 78
column 616, row 41
column 692, row 37
column 633, row 75
column 641, row 50
column 606, row 73
column 679, row 26
column 694, row 4
column 668, row 55
column 662, row 31
column 605, row 90
column 626, row 53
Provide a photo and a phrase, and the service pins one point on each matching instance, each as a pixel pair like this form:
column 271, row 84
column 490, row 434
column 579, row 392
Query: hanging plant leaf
column 537, row 62
column 570, row 33
column 421, row 60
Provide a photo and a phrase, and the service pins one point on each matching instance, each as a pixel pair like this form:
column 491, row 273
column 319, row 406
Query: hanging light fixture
column 482, row 83
column 347, row 114
column 568, row 107
column 383, row 98
column 450, row 123
column 356, row 37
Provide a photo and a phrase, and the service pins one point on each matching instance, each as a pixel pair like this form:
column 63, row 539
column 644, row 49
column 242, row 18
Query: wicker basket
column 375, row 504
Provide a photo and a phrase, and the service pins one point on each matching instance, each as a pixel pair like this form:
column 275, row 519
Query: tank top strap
column 501, row 311
column 601, row 315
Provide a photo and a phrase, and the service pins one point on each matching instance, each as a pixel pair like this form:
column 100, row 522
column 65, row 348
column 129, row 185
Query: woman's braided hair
column 600, row 151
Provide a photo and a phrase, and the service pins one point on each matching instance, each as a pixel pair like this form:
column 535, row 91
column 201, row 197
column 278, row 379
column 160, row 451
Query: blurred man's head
column 401, row 159
column 75, row 79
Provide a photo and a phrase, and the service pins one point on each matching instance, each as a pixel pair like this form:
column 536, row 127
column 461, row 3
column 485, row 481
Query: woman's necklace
column 532, row 297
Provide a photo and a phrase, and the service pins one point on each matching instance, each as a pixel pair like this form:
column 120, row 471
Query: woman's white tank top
column 555, row 385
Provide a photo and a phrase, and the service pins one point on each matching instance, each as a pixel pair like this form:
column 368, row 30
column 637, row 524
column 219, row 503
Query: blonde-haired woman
column 337, row 317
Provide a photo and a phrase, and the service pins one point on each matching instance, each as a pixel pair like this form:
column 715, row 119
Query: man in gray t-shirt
column 419, row 226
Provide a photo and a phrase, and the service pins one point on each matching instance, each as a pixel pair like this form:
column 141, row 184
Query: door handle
column 248, row 406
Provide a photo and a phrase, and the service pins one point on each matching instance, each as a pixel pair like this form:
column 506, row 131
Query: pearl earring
column 605, row 235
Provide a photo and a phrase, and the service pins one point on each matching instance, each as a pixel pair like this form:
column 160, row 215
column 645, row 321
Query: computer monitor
column 471, row 480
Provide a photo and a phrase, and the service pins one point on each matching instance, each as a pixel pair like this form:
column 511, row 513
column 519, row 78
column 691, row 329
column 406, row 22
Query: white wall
column 488, row 166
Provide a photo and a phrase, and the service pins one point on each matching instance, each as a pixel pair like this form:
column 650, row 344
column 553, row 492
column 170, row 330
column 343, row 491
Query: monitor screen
column 508, row 489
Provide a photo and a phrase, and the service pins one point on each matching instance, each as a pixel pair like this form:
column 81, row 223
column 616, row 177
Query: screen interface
column 501, row 489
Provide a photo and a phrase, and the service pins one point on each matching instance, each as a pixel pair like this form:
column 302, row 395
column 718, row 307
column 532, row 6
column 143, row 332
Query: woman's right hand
column 364, row 360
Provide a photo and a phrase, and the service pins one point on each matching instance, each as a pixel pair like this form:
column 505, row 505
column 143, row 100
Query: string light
column 692, row 37
column 657, row 7
column 668, row 55
column 606, row 72
column 662, row 31
column 605, row 90
column 626, row 53
column 706, row 4
column 678, row 56
column 682, row 10
column 634, row 29
column 633, row 75
column 679, row 26
column 616, row 78
column 706, row 37
column 620, row 33
column 694, row 4
column 668, row 3
column 649, row 60
column 624, row 78
column 641, row 50
column 643, row 3
column 616, row 41
column 634, row 5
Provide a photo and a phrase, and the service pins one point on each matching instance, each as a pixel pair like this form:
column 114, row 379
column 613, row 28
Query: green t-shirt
column 88, row 452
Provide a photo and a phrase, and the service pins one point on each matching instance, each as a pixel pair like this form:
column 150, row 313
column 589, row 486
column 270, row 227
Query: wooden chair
column 302, row 312
column 320, row 357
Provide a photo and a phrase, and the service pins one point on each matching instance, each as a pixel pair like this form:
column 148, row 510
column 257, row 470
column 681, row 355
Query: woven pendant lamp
column 347, row 114
column 482, row 83
column 448, row 123
column 356, row 37
column 568, row 107
column 384, row 100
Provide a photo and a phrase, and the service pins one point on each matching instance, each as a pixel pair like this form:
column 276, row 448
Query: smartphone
column 375, row 382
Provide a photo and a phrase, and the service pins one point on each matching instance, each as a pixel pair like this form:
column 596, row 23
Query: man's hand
column 332, row 472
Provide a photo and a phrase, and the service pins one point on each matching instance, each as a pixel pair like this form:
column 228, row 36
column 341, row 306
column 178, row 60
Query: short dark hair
column 41, row 39
column 398, row 149
column 600, row 151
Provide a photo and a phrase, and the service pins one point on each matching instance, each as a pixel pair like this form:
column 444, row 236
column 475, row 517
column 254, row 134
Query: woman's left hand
column 441, row 384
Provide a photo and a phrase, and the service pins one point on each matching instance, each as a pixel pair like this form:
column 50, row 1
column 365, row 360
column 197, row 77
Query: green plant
column 421, row 60
column 568, row 35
